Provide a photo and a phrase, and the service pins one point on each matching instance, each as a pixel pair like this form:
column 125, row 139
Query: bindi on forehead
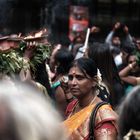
column 73, row 72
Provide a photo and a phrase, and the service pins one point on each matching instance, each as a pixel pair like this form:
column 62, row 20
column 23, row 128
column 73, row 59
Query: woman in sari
column 83, row 82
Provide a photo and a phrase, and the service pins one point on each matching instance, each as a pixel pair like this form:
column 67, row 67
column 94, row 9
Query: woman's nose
column 74, row 81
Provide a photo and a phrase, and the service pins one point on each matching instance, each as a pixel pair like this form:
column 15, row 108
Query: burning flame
column 36, row 35
column 40, row 33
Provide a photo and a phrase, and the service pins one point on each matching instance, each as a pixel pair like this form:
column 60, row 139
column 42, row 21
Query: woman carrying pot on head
column 83, row 83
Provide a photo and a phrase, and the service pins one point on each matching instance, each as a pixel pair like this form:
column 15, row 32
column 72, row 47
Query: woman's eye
column 79, row 77
column 70, row 77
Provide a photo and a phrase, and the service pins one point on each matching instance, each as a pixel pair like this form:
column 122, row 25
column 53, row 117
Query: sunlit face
column 80, row 84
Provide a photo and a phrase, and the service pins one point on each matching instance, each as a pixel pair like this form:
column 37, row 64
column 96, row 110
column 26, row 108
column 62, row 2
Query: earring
column 94, row 84
column 55, row 68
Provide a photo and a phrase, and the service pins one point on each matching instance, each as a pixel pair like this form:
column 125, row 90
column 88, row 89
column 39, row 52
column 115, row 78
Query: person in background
column 117, row 38
column 51, row 62
column 35, row 73
column 70, row 28
column 126, row 50
column 129, row 118
column 138, row 43
column 83, row 82
column 130, row 74
column 101, row 54
column 114, row 37
column 62, row 60
column 26, row 115
column 41, row 77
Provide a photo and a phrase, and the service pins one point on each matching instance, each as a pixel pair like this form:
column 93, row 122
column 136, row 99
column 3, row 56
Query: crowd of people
column 47, row 93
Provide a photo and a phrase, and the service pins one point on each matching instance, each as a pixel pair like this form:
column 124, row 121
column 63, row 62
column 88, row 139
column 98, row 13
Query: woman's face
column 80, row 84
column 132, row 59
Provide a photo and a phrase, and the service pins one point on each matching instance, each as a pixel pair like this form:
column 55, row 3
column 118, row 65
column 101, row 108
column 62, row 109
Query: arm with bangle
column 125, row 74
column 62, row 96
column 64, row 86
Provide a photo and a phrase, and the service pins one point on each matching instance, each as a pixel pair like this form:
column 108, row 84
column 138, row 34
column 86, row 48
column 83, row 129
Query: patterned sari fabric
column 77, row 124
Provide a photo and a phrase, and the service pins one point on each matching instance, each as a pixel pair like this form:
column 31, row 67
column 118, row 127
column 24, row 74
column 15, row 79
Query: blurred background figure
column 130, row 74
column 52, row 59
column 126, row 49
column 26, row 115
column 70, row 28
column 101, row 54
column 34, row 67
column 118, row 35
column 117, row 38
column 62, row 60
column 129, row 120
column 138, row 43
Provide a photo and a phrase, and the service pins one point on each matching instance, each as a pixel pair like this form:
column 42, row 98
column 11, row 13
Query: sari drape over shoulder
column 77, row 124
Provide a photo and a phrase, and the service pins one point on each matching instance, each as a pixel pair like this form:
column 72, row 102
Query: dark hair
column 41, row 76
column 63, row 58
column 130, row 112
column 101, row 54
column 128, row 47
column 59, row 24
column 103, row 58
column 86, row 65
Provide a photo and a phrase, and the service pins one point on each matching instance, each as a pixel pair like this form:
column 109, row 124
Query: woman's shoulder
column 70, row 107
column 106, row 114
column 106, row 123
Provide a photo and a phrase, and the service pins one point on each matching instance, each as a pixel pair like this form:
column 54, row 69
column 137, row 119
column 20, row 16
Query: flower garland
column 41, row 53
column 11, row 62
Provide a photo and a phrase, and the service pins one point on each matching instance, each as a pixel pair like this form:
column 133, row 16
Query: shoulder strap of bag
column 92, row 119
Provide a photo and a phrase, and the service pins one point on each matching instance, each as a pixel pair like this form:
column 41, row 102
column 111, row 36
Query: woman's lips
column 74, row 90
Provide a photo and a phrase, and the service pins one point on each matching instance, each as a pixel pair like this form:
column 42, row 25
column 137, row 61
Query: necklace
column 92, row 101
column 77, row 108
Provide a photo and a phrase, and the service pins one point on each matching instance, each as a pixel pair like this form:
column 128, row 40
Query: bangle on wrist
column 130, row 66
column 56, row 84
